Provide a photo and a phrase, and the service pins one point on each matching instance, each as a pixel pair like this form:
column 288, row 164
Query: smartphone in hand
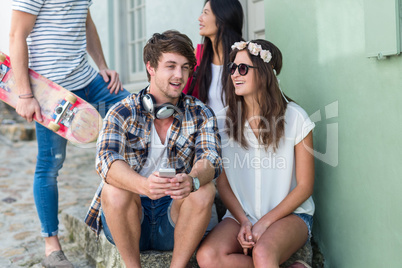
column 167, row 172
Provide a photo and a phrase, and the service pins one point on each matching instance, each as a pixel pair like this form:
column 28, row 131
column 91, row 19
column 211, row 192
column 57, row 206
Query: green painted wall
column 358, row 220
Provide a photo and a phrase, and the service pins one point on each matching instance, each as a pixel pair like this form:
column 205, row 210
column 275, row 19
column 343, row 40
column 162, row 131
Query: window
column 127, row 40
column 136, row 39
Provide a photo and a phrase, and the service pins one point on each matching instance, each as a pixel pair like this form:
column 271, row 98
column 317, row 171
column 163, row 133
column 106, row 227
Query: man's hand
column 180, row 186
column 245, row 237
column 156, row 186
column 28, row 108
column 115, row 84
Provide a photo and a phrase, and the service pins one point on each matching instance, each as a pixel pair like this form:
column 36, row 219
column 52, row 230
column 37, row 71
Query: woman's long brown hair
column 272, row 105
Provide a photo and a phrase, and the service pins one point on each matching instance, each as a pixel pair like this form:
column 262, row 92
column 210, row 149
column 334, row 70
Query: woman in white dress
column 268, row 177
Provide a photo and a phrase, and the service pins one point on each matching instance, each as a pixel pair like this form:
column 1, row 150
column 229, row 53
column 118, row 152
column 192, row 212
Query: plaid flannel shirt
column 126, row 136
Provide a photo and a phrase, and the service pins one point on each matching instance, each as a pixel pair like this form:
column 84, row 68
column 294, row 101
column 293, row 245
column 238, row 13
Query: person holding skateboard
column 53, row 38
column 140, row 203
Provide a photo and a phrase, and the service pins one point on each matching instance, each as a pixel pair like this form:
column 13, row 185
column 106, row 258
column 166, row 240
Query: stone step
column 103, row 254
column 13, row 127
column 16, row 131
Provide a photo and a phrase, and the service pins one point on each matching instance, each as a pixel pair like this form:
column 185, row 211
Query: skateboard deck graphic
column 62, row 111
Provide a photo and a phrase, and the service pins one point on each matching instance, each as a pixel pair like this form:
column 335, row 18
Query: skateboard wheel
column 53, row 126
column 2, row 57
column 71, row 99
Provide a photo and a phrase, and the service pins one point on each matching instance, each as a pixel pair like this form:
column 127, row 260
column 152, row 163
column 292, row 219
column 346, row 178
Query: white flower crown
column 254, row 49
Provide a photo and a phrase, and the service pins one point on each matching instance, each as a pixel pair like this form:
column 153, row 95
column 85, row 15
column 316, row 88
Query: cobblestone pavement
column 20, row 242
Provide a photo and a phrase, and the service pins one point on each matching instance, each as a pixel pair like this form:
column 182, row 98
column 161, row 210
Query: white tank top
column 215, row 89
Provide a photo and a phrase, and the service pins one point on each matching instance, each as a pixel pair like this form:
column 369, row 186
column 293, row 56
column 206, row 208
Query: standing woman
column 221, row 25
column 268, row 176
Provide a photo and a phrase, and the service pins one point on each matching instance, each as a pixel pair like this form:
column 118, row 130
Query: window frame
column 136, row 39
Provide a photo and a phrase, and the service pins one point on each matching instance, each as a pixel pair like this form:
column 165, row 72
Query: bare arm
column 304, row 189
column 22, row 24
column 204, row 171
column 122, row 176
column 232, row 204
column 229, row 199
column 94, row 49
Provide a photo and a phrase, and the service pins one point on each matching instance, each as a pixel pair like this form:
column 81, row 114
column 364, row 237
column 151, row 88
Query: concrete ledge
column 17, row 131
column 13, row 126
column 103, row 254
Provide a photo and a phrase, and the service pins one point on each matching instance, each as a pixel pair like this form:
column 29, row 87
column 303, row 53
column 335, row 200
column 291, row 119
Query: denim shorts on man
column 157, row 227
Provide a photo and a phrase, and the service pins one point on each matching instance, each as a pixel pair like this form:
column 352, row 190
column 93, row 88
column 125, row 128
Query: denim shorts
column 308, row 220
column 157, row 227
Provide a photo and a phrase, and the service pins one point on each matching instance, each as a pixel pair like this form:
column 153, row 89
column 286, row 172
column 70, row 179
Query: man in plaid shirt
column 160, row 127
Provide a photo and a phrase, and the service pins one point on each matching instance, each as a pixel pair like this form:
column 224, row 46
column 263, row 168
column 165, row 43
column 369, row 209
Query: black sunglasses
column 242, row 68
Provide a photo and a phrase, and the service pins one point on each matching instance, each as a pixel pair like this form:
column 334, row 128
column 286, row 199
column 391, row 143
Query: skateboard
column 62, row 111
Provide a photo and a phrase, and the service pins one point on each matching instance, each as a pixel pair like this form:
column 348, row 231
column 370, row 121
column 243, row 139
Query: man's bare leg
column 191, row 217
column 122, row 210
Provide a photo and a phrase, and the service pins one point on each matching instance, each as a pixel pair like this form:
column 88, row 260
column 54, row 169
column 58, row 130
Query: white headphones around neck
column 162, row 111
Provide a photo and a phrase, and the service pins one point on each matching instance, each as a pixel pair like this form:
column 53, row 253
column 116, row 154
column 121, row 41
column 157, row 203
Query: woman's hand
column 259, row 229
column 245, row 236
